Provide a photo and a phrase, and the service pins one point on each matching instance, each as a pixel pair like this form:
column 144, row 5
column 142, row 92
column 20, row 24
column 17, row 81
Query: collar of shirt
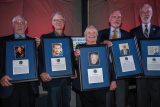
column 111, row 32
column 148, row 26
column 17, row 36
column 58, row 34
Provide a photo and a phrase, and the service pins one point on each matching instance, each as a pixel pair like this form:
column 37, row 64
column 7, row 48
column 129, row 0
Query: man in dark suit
column 114, row 32
column 148, row 89
column 16, row 94
column 59, row 89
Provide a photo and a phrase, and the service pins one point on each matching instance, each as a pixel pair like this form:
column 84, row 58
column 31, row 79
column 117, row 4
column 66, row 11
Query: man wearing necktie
column 16, row 94
column 148, row 89
column 115, row 32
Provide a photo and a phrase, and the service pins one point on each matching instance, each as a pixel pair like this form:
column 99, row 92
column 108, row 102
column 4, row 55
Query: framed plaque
column 150, row 52
column 78, row 40
column 21, row 60
column 58, row 56
column 126, row 59
column 93, row 69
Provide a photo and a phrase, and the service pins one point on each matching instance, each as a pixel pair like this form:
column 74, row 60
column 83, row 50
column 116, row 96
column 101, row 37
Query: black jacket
column 138, row 32
column 105, row 34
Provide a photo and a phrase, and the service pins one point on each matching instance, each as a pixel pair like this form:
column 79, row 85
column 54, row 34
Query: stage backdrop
column 101, row 9
column 38, row 13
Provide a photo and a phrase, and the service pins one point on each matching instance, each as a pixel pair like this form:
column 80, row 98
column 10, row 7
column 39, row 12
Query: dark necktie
column 146, row 31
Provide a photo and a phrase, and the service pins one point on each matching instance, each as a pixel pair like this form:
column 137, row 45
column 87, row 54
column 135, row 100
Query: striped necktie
column 145, row 33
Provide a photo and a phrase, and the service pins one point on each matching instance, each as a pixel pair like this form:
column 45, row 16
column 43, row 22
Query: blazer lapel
column 108, row 34
column 141, row 32
column 121, row 33
column 152, row 30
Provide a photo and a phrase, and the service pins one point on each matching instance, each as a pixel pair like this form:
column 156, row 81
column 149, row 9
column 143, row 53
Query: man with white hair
column 59, row 89
column 16, row 94
column 148, row 89
column 115, row 32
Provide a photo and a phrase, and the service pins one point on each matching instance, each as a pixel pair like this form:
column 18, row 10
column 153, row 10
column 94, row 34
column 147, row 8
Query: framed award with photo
column 58, row 56
column 93, row 68
column 125, row 57
column 21, row 64
column 150, row 52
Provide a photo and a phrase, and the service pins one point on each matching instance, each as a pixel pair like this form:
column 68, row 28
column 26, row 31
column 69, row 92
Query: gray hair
column 145, row 5
column 90, row 27
column 19, row 17
column 58, row 13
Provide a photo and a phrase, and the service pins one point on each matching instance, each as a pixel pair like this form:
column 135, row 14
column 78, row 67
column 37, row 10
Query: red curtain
column 101, row 9
column 38, row 14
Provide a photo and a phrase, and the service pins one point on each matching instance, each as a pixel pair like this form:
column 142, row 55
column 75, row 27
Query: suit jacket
column 138, row 32
column 56, row 81
column 104, row 35
column 7, row 91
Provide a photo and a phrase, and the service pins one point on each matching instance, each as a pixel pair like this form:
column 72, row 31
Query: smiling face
column 91, row 34
column 146, row 13
column 115, row 19
column 58, row 22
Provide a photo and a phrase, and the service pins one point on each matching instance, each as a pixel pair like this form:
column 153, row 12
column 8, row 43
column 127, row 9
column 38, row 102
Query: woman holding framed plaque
column 94, row 97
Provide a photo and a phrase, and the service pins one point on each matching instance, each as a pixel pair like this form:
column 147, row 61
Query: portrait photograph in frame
column 93, row 58
column 126, row 59
column 150, row 52
column 21, row 62
column 92, row 74
column 124, row 49
column 19, row 51
column 57, row 49
column 58, row 56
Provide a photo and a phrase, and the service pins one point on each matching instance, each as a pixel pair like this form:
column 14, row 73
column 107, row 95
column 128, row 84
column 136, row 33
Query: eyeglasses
column 58, row 20
column 19, row 23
